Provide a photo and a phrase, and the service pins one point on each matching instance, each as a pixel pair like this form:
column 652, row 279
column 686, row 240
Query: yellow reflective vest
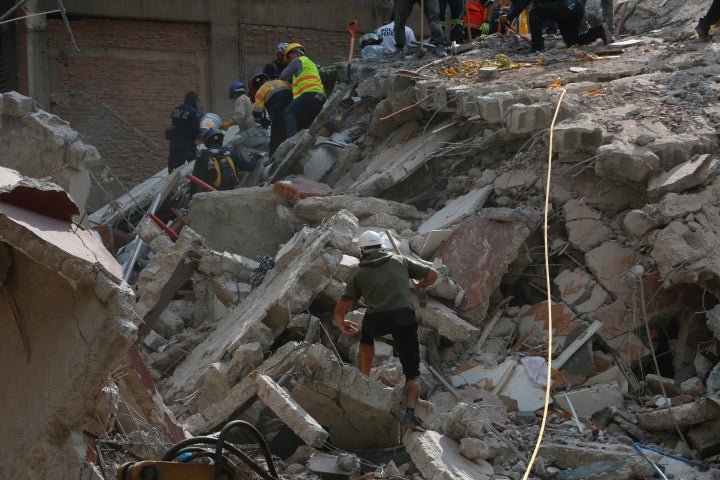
column 266, row 91
column 309, row 79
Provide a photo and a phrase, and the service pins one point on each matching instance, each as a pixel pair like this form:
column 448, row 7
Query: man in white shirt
column 387, row 34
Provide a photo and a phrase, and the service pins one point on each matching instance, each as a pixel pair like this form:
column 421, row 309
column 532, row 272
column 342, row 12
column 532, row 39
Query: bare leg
column 412, row 392
column 367, row 352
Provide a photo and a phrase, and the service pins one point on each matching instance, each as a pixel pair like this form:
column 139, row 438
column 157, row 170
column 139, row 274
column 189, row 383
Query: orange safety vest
column 476, row 12
column 309, row 79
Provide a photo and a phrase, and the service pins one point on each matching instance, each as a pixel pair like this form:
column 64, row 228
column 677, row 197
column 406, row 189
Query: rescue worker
column 307, row 89
column 386, row 33
column 401, row 12
column 711, row 18
column 273, row 97
column 183, row 132
column 567, row 13
column 457, row 29
column 371, row 48
column 217, row 165
column 479, row 17
column 242, row 109
column 274, row 67
column 382, row 281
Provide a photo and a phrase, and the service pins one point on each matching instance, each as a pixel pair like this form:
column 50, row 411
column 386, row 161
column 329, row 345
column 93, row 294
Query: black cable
column 260, row 440
column 178, row 447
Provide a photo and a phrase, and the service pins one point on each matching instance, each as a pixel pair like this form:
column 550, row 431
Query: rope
column 548, row 383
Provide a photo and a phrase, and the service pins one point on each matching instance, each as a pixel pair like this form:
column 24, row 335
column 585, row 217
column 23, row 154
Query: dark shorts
column 403, row 327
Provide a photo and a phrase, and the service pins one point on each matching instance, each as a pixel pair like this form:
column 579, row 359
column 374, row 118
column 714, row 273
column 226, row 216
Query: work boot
column 413, row 422
column 399, row 54
column 703, row 31
column 440, row 51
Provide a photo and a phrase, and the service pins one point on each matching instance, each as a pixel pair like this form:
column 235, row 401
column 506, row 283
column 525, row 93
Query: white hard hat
column 370, row 239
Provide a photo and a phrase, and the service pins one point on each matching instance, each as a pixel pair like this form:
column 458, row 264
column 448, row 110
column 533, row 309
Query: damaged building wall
column 67, row 324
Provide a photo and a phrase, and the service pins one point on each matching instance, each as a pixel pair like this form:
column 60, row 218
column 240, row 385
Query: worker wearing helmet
column 273, row 97
column 382, row 281
column 275, row 66
column 217, row 165
column 307, row 88
column 242, row 109
column 371, row 48
column 183, row 131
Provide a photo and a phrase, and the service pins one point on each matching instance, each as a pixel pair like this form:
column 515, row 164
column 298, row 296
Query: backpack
column 220, row 165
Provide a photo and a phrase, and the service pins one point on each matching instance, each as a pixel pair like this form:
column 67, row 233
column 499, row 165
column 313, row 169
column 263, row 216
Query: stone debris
column 226, row 312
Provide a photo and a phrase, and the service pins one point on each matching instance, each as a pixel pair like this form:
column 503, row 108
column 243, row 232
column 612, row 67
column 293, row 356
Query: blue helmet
column 213, row 137
column 236, row 88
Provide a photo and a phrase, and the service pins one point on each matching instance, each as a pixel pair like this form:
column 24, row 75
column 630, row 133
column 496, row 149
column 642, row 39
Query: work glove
column 484, row 29
column 226, row 124
column 264, row 122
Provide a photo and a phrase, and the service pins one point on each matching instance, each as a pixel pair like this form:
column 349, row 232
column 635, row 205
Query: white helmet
column 369, row 239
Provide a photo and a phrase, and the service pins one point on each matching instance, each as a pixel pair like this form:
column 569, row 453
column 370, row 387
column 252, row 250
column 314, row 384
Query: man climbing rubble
column 567, row 13
column 382, row 282
column 401, row 12
column 307, row 89
column 273, row 97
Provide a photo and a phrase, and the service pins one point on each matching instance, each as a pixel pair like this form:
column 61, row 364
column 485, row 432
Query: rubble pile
column 570, row 202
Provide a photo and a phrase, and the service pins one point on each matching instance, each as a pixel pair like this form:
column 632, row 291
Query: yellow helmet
column 291, row 47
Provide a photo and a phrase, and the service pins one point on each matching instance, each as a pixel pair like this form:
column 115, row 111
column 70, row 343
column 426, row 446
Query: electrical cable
column 548, row 382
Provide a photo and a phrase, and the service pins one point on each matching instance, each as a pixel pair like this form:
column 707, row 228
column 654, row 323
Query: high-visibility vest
column 309, row 79
column 476, row 13
column 267, row 90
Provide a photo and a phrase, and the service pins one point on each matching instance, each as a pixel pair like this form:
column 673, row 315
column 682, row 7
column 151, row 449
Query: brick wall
column 139, row 70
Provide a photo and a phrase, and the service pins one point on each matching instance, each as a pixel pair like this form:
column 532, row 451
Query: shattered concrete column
column 37, row 55
column 296, row 418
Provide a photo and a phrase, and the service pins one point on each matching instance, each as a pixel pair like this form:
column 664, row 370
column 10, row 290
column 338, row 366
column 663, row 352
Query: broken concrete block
column 383, row 220
column 514, row 182
column 697, row 171
column 609, row 263
column 521, row 119
column 15, row 104
column 456, row 209
column 700, row 411
column 577, row 135
column 668, row 384
column 705, row 439
column 493, row 246
column 589, row 400
column 217, row 263
column 287, row 410
column 475, row 449
column 573, row 454
column 587, row 233
column 333, row 393
column 579, row 290
column 626, row 162
column 438, row 457
column 317, row 209
column 468, row 420
column 436, row 315
column 244, row 360
column 213, row 387
column 217, row 216
column 693, row 387
column 333, row 467
column 493, row 106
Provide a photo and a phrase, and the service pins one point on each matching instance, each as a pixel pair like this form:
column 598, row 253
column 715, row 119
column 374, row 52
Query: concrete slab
column 438, row 457
column 432, row 242
column 456, row 209
column 588, row 400
column 697, row 171
column 478, row 254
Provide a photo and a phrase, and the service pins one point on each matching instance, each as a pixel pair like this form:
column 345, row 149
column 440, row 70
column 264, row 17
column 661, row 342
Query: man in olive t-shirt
column 383, row 282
